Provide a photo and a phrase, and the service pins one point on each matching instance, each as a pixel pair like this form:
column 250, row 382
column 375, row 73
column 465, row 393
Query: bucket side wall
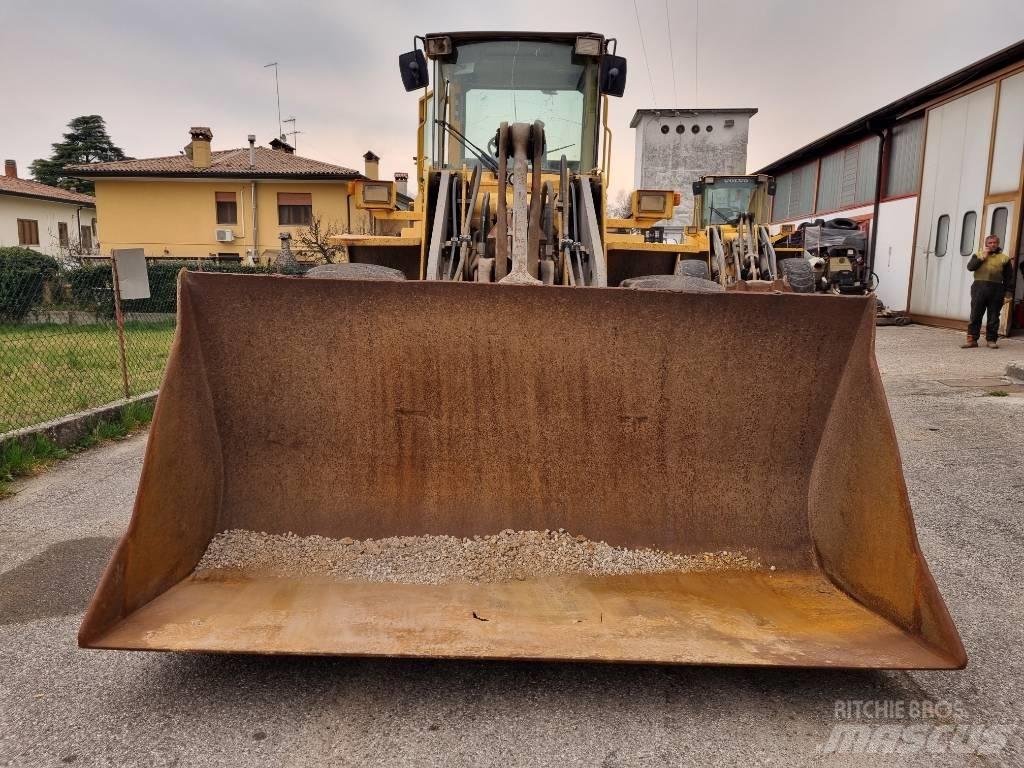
column 860, row 516
column 178, row 501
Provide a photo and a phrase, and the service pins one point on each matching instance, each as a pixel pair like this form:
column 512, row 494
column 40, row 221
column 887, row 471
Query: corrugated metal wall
column 847, row 177
column 794, row 193
column 906, row 149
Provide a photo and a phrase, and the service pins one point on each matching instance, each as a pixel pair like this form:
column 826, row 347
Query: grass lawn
column 48, row 371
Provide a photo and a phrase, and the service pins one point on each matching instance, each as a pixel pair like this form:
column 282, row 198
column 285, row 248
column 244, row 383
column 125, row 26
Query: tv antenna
column 294, row 133
column 277, row 90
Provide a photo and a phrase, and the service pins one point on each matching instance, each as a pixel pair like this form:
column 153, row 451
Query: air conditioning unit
column 225, row 236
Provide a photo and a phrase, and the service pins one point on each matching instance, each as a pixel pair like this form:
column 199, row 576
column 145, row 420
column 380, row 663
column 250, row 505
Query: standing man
column 993, row 276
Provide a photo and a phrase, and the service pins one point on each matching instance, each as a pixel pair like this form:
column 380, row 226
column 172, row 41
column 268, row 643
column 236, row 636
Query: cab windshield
column 517, row 81
column 726, row 199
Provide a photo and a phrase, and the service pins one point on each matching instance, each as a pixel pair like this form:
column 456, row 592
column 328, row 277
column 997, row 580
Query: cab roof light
column 439, row 46
column 587, row 46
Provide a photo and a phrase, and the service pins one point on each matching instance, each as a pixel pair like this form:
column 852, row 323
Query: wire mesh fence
column 59, row 340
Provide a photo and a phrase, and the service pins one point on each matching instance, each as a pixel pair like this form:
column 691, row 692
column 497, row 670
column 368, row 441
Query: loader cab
column 480, row 81
column 720, row 200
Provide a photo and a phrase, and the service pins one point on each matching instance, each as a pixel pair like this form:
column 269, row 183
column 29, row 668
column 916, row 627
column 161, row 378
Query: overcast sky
column 153, row 69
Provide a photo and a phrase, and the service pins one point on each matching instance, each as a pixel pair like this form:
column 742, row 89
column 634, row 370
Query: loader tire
column 351, row 271
column 681, row 283
column 800, row 274
column 693, row 268
column 841, row 224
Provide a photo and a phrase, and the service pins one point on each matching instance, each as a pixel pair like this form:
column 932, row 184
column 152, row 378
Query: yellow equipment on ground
column 432, row 401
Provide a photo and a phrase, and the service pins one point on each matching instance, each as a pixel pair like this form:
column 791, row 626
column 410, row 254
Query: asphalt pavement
column 964, row 463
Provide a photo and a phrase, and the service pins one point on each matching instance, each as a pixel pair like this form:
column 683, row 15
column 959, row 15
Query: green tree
column 86, row 141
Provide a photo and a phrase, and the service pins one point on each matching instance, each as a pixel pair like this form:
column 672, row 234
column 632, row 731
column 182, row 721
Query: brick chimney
column 198, row 150
column 10, row 169
column 372, row 165
column 402, row 183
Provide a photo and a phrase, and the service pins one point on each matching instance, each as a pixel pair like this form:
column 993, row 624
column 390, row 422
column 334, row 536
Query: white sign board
column 132, row 276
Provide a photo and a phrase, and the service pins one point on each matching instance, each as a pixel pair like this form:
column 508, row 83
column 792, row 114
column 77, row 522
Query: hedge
column 92, row 286
column 23, row 273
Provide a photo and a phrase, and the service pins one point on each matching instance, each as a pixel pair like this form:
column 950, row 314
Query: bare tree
column 622, row 208
column 70, row 251
column 315, row 241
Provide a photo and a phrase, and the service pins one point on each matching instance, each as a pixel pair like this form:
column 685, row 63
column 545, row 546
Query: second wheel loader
column 730, row 225
column 507, row 382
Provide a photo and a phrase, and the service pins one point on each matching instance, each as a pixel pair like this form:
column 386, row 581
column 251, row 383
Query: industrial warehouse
column 949, row 173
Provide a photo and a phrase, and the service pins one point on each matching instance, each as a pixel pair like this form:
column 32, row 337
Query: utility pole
column 277, row 90
column 293, row 133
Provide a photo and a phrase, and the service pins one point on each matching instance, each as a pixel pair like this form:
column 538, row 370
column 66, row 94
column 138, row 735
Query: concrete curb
column 68, row 430
column 1015, row 371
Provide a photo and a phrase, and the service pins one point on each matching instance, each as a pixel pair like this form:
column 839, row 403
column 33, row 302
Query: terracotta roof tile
column 27, row 188
column 224, row 162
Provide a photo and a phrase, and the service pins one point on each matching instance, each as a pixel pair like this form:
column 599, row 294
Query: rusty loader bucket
column 753, row 423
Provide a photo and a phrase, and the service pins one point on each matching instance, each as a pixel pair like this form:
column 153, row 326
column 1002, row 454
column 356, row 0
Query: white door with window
column 999, row 221
column 952, row 195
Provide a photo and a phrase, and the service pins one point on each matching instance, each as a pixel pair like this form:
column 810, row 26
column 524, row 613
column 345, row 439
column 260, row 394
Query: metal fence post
column 120, row 327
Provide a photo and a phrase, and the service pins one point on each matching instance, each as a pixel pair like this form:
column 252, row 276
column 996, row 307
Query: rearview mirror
column 413, row 66
column 613, row 75
column 698, row 188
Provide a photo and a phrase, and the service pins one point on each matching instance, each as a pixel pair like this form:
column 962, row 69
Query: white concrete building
column 675, row 147
column 952, row 172
column 47, row 219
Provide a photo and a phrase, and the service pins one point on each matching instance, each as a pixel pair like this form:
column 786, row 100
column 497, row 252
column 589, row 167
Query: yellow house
column 231, row 204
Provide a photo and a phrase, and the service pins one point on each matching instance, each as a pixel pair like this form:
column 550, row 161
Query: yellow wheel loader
column 730, row 228
column 492, row 362
column 526, row 106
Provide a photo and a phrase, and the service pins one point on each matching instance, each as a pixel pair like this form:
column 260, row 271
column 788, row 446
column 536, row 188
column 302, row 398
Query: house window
column 86, row 233
column 28, row 232
column 999, row 224
column 295, row 208
column 62, row 234
column 227, row 208
column 967, row 233
column 942, row 235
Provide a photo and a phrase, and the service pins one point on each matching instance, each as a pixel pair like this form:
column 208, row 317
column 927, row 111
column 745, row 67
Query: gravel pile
column 506, row 556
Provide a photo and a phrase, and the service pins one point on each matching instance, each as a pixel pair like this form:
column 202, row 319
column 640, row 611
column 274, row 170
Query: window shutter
column 294, row 198
column 226, row 197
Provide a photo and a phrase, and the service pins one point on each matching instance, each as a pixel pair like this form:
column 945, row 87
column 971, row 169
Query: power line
column 671, row 52
column 643, row 47
column 696, row 56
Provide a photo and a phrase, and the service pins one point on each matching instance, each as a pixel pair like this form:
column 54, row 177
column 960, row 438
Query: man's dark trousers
column 985, row 297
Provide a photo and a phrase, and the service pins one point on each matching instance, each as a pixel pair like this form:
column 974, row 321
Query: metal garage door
column 952, row 201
